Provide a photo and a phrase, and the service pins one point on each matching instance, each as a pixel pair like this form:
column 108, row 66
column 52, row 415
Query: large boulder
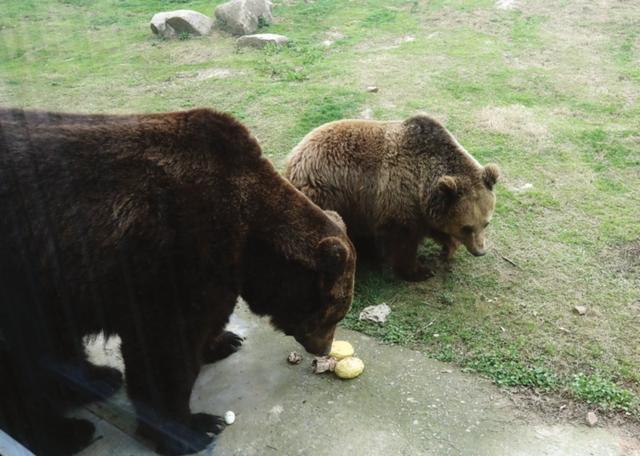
column 159, row 25
column 242, row 17
column 260, row 40
column 171, row 23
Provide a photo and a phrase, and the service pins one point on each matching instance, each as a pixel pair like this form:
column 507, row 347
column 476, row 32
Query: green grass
column 550, row 92
column 602, row 392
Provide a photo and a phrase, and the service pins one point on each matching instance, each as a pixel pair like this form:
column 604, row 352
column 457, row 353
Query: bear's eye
column 467, row 229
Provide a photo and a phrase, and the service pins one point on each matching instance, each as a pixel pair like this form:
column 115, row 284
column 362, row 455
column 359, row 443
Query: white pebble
column 229, row 417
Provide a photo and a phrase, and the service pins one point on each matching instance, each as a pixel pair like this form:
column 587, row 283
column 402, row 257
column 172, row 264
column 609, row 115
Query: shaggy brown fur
column 397, row 182
column 149, row 227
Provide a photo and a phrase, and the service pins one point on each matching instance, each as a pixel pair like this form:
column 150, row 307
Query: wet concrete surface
column 403, row 404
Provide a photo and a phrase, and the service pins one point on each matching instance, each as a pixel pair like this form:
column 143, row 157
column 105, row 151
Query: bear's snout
column 317, row 343
column 475, row 244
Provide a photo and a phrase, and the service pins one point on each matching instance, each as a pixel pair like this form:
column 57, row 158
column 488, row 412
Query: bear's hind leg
column 91, row 383
column 40, row 427
column 160, row 377
column 77, row 380
column 30, row 409
column 68, row 436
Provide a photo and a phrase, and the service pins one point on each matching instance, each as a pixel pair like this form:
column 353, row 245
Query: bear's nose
column 479, row 253
column 316, row 345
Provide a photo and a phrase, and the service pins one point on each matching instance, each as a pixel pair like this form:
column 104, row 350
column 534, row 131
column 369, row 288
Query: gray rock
column 366, row 113
column 260, row 40
column 190, row 22
column 506, row 4
column 592, row 419
column 172, row 23
column 580, row 310
column 376, row 314
column 159, row 25
column 242, row 17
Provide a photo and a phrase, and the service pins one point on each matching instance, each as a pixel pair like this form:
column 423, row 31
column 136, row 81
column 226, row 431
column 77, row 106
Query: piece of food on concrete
column 322, row 364
column 229, row 417
column 294, row 358
column 349, row 367
column 341, row 349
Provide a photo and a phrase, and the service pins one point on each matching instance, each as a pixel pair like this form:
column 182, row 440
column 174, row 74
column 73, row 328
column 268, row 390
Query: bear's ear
column 443, row 196
column 332, row 256
column 335, row 218
column 490, row 175
column 448, row 186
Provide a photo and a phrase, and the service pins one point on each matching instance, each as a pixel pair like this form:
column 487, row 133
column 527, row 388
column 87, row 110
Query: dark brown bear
column 395, row 183
column 149, row 227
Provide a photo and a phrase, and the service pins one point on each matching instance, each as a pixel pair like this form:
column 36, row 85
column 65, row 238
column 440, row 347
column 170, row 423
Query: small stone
column 260, row 40
column 294, row 358
column 376, row 314
column 322, row 364
column 229, row 417
column 275, row 414
column 366, row 113
column 523, row 187
column 506, row 4
column 592, row 419
column 372, row 89
column 580, row 310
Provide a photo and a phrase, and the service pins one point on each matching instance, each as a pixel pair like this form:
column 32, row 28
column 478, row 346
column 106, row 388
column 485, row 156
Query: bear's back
column 84, row 199
column 348, row 142
column 354, row 167
column 96, row 174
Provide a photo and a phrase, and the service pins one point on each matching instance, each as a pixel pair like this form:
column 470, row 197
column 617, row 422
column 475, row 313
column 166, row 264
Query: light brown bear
column 395, row 183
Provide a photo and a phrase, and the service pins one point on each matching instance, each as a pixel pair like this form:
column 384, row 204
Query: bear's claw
column 225, row 345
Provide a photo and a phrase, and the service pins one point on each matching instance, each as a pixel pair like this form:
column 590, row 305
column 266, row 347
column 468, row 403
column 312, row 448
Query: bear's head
column 304, row 302
column 461, row 206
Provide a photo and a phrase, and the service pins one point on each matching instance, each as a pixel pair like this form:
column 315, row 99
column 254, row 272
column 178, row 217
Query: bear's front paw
column 449, row 249
column 219, row 348
column 419, row 273
column 205, row 422
column 178, row 439
column 422, row 272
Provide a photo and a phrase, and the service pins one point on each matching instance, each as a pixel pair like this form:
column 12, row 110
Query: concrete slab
column 403, row 404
